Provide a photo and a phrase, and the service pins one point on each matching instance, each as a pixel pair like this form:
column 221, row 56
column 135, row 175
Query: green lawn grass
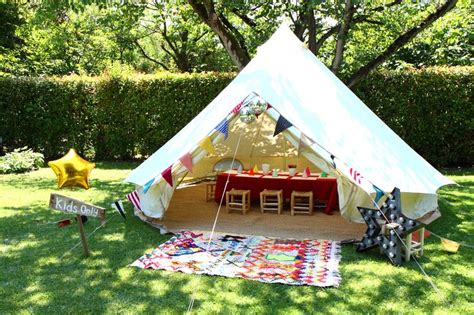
column 33, row 278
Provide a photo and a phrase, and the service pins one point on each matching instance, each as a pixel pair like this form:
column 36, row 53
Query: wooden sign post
column 77, row 207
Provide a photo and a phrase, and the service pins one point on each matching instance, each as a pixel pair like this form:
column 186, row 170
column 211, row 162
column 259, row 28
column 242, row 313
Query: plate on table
column 279, row 176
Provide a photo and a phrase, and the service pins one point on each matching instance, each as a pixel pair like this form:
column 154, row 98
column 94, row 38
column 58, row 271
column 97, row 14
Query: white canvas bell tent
column 350, row 142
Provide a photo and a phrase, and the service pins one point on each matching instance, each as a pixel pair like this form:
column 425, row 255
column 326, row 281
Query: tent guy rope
column 427, row 277
column 87, row 236
column 193, row 296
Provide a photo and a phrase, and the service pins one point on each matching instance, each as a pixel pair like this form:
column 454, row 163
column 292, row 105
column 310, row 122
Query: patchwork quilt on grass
column 271, row 260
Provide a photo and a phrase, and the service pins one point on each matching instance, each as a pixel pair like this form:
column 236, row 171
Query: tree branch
column 171, row 54
column 301, row 21
column 148, row 57
column 373, row 22
column 164, row 33
column 400, row 42
column 234, row 30
column 359, row 19
column 343, row 31
column 320, row 42
column 383, row 7
column 244, row 18
column 300, row 27
column 206, row 11
column 198, row 38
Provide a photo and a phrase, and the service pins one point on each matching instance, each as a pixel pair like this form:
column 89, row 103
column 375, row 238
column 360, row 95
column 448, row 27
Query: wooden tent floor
column 189, row 210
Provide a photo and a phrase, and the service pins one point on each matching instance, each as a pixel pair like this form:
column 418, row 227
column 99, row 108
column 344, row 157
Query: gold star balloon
column 72, row 170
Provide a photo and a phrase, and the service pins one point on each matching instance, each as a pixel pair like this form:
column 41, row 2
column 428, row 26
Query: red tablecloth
column 322, row 188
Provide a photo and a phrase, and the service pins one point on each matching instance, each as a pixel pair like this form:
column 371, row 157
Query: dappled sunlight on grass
column 34, row 279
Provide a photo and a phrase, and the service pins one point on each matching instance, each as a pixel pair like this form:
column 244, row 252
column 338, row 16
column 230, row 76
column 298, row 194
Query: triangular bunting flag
column 223, row 127
column 378, row 194
column 255, row 169
column 167, row 176
column 281, row 125
column 450, row 246
column 307, row 172
column 134, row 199
column 268, row 106
column 356, row 176
column 118, row 205
column 237, row 107
column 333, row 162
column 304, row 143
column 206, row 144
column 148, row 185
column 187, row 161
column 63, row 223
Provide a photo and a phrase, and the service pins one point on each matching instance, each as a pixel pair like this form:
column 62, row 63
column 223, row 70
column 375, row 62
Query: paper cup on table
column 292, row 171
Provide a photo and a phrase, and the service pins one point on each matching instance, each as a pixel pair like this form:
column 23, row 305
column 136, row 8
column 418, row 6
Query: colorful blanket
column 271, row 260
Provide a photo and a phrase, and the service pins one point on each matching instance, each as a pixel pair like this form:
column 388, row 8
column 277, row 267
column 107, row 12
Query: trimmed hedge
column 114, row 117
column 106, row 118
column 431, row 109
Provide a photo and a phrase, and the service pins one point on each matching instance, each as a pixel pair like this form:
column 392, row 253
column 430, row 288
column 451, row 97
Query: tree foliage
column 11, row 55
column 57, row 37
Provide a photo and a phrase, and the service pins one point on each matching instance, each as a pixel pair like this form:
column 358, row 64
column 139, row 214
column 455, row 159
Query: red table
column 323, row 188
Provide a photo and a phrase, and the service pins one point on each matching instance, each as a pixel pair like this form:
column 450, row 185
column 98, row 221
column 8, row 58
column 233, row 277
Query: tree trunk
column 144, row 54
column 205, row 10
column 342, row 35
column 311, row 22
column 320, row 42
column 400, row 42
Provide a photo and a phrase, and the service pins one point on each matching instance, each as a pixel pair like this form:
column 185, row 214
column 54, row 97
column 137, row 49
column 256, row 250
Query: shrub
column 430, row 109
column 20, row 161
column 125, row 116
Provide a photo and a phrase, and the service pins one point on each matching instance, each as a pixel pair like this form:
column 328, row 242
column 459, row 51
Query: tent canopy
column 300, row 87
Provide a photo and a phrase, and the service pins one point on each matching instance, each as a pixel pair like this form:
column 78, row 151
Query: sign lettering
column 74, row 206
